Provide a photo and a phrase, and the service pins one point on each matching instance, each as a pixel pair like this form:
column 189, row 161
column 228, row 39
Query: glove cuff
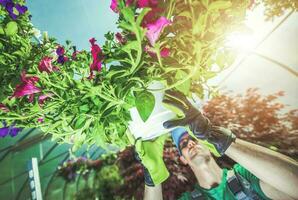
column 224, row 137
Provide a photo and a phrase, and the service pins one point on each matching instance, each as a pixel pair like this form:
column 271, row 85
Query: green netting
column 15, row 154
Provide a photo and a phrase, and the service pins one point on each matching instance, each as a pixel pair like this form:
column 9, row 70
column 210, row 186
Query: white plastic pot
column 153, row 127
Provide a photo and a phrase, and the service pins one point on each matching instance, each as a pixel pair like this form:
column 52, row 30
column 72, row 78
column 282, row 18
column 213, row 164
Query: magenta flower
column 154, row 30
column 114, row 5
column 147, row 3
column 45, row 65
column 165, row 52
column 150, row 51
column 120, row 38
column 151, row 16
column 75, row 53
column 3, row 108
column 40, row 120
column 97, row 56
column 42, row 98
column 27, row 87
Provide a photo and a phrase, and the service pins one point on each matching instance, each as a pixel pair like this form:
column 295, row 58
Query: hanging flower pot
column 153, row 126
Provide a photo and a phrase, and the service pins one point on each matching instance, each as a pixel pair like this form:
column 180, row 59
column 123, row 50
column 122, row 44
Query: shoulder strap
column 241, row 188
column 197, row 195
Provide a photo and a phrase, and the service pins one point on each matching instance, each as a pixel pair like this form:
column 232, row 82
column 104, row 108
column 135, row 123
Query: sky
column 74, row 20
column 78, row 21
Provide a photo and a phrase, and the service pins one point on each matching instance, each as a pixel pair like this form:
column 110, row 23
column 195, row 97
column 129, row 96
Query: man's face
column 192, row 151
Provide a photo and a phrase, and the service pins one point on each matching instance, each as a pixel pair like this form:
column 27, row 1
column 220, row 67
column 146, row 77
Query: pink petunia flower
column 3, row 108
column 40, row 120
column 120, row 38
column 165, row 52
column 129, row 2
column 114, row 5
column 147, row 3
column 45, row 65
column 27, row 87
column 152, row 16
column 154, row 30
column 43, row 97
column 97, row 56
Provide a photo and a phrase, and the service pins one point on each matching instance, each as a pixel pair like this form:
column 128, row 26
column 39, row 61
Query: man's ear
column 183, row 160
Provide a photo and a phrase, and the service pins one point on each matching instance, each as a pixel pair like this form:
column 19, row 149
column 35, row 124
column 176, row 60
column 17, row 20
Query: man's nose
column 190, row 144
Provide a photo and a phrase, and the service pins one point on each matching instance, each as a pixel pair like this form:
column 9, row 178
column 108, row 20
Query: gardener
column 260, row 173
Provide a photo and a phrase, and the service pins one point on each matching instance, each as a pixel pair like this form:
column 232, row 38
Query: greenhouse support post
column 34, row 180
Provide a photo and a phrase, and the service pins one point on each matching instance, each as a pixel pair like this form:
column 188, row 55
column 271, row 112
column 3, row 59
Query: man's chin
column 200, row 158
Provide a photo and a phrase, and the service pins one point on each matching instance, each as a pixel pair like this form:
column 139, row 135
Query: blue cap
column 177, row 134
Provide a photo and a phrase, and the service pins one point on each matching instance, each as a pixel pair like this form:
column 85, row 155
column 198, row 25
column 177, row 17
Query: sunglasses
column 184, row 142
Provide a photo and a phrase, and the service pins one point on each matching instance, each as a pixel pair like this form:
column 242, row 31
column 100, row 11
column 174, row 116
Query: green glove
column 150, row 153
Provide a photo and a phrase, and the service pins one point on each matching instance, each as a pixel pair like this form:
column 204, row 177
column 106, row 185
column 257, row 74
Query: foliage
column 103, row 174
column 83, row 166
column 180, row 46
column 258, row 119
column 276, row 8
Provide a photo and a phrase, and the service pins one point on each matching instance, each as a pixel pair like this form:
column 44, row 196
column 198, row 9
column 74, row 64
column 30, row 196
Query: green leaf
column 185, row 86
column 128, row 15
column 200, row 24
column 80, row 122
column 145, row 102
column 125, row 25
column 1, row 30
column 131, row 45
column 11, row 28
column 219, row 5
column 84, row 108
column 205, row 3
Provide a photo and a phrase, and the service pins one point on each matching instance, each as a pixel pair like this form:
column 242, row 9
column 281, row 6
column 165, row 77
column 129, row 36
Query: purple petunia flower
column 60, row 51
column 9, row 6
column 21, row 9
column 61, row 58
column 9, row 130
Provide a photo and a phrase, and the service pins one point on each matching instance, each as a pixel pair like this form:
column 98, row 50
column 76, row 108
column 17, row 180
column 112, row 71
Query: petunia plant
column 84, row 97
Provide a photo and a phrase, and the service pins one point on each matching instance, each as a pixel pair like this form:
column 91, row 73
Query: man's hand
column 150, row 154
column 200, row 125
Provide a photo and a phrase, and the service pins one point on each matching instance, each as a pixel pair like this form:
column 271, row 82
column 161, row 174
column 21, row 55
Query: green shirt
column 222, row 191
